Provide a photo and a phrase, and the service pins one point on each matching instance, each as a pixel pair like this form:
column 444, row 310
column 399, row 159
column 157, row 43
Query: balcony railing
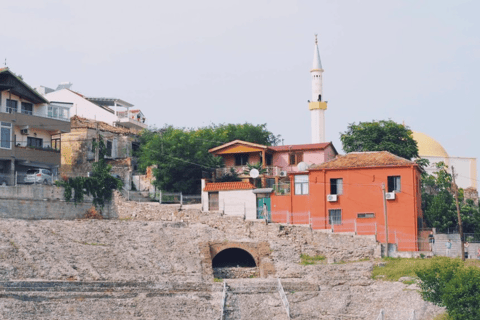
column 271, row 171
column 52, row 115
column 44, row 147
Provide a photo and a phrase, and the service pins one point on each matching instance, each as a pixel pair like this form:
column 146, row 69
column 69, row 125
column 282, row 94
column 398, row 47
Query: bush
column 448, row 282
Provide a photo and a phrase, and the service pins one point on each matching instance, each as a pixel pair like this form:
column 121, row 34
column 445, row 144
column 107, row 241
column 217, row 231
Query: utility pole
column 460, row 228
column 386, row 218
column 97, row 147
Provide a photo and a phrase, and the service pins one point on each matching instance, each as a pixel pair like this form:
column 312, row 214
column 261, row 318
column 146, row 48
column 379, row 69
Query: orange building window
column 394, row 184
column 334, row 216
column 336, row 186
column 366, row 215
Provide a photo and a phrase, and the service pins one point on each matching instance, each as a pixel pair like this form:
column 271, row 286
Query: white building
column 465, row 168
column 113, row 111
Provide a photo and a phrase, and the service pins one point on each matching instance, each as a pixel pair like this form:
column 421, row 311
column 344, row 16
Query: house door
column 213, row 201
column 263, row 208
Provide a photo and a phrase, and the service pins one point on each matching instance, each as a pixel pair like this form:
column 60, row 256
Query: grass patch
column 306, row 260
column 443, row 316
column 395, row 268
column 217, row 280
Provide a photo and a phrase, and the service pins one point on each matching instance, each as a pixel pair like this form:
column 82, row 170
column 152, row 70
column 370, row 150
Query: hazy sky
column 193, row 63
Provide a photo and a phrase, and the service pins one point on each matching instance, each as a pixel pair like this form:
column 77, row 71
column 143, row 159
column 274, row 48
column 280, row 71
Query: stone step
column 105, row 286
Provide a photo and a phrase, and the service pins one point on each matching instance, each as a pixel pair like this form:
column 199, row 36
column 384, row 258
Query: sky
column 193, row 63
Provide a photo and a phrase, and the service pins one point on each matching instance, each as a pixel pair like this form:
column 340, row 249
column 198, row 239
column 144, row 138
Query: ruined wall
column 43, row 202
column 78, row 155
column 335, row 246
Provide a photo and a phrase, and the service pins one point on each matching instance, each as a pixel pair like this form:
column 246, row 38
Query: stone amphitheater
column 166, row 262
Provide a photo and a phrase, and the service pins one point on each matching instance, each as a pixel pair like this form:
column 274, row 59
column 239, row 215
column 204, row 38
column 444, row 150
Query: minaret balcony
column 322, row 105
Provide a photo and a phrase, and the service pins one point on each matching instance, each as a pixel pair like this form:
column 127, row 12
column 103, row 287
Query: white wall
column 81, row 106
column 238, row 202
column 465, row 169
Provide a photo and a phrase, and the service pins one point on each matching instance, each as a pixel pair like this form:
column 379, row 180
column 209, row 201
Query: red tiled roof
column 299, row 147
column 226, row 186
column 364, row 159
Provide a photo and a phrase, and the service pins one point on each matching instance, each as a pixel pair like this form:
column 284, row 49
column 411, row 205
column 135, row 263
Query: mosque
column 428, row 148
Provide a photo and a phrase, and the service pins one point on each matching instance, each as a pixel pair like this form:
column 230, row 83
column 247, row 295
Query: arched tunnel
column 233, row 257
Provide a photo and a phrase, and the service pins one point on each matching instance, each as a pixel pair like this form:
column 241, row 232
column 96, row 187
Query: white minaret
column 317, row 106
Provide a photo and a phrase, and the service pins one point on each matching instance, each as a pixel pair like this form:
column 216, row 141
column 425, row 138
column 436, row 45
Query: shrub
column 448, row 282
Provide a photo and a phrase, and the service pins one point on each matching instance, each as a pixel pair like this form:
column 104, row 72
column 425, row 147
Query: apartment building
column 30, row 127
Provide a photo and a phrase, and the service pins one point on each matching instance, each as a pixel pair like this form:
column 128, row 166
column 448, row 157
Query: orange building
column 346, row 194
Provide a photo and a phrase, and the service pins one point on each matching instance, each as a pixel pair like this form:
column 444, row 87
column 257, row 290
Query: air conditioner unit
column 390, row 196
column 283, row 173
column 24, row 131
column 332, row 198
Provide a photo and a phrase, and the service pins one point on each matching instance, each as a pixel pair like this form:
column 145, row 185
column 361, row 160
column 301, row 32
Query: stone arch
column 233, row 257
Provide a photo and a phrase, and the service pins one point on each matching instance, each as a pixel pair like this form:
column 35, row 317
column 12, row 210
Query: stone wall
column 336, row 247
column 235, row 273
column 43, row 202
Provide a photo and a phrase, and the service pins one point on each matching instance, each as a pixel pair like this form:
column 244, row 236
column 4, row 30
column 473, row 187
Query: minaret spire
column 317, row 106
column 317, row 63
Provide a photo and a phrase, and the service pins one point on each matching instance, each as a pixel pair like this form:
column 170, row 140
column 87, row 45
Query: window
column 334, row 216
column 5, row 135
column 94, row 141
column 241, row 159
column 394, row 184
column 58, row 112
column 336, row 186
column 295, row 158
column 269, row 159
column 301, row 184
column 27, row 108
column 270, row 183
column 109, row 148
column 11, row 106
column 34, row 142
column 366, row 215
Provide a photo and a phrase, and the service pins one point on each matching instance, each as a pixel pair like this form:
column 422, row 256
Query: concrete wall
column 43, row 202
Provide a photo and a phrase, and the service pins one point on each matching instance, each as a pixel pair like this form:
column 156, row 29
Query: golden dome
column 428, row 147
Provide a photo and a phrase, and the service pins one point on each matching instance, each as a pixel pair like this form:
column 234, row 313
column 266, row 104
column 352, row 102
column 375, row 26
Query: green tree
column 182, row 156
column 449, row 283
column 438, row 203
column 384, row 135
column 99, row 185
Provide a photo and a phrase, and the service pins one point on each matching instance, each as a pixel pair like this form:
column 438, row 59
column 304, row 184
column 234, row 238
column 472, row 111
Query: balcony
column 127, row 121
column 33, row 155
column 271, row 171
column 50, row 121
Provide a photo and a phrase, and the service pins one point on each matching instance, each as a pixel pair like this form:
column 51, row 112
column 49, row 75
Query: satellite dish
column 254, row 173
column 302, row 166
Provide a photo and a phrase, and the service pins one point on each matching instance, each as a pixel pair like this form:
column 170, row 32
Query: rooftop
column 364, row 159
column 227, row 186
column 80, row 123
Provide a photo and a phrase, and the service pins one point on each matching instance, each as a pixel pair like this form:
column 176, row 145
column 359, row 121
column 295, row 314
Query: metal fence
column 174, row 197
column 404, row 241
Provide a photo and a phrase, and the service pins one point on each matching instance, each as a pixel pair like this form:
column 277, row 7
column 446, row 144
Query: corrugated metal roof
column 227, row 186
column 364, row 159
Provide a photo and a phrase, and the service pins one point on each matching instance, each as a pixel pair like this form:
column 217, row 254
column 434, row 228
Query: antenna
column 5, row 62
